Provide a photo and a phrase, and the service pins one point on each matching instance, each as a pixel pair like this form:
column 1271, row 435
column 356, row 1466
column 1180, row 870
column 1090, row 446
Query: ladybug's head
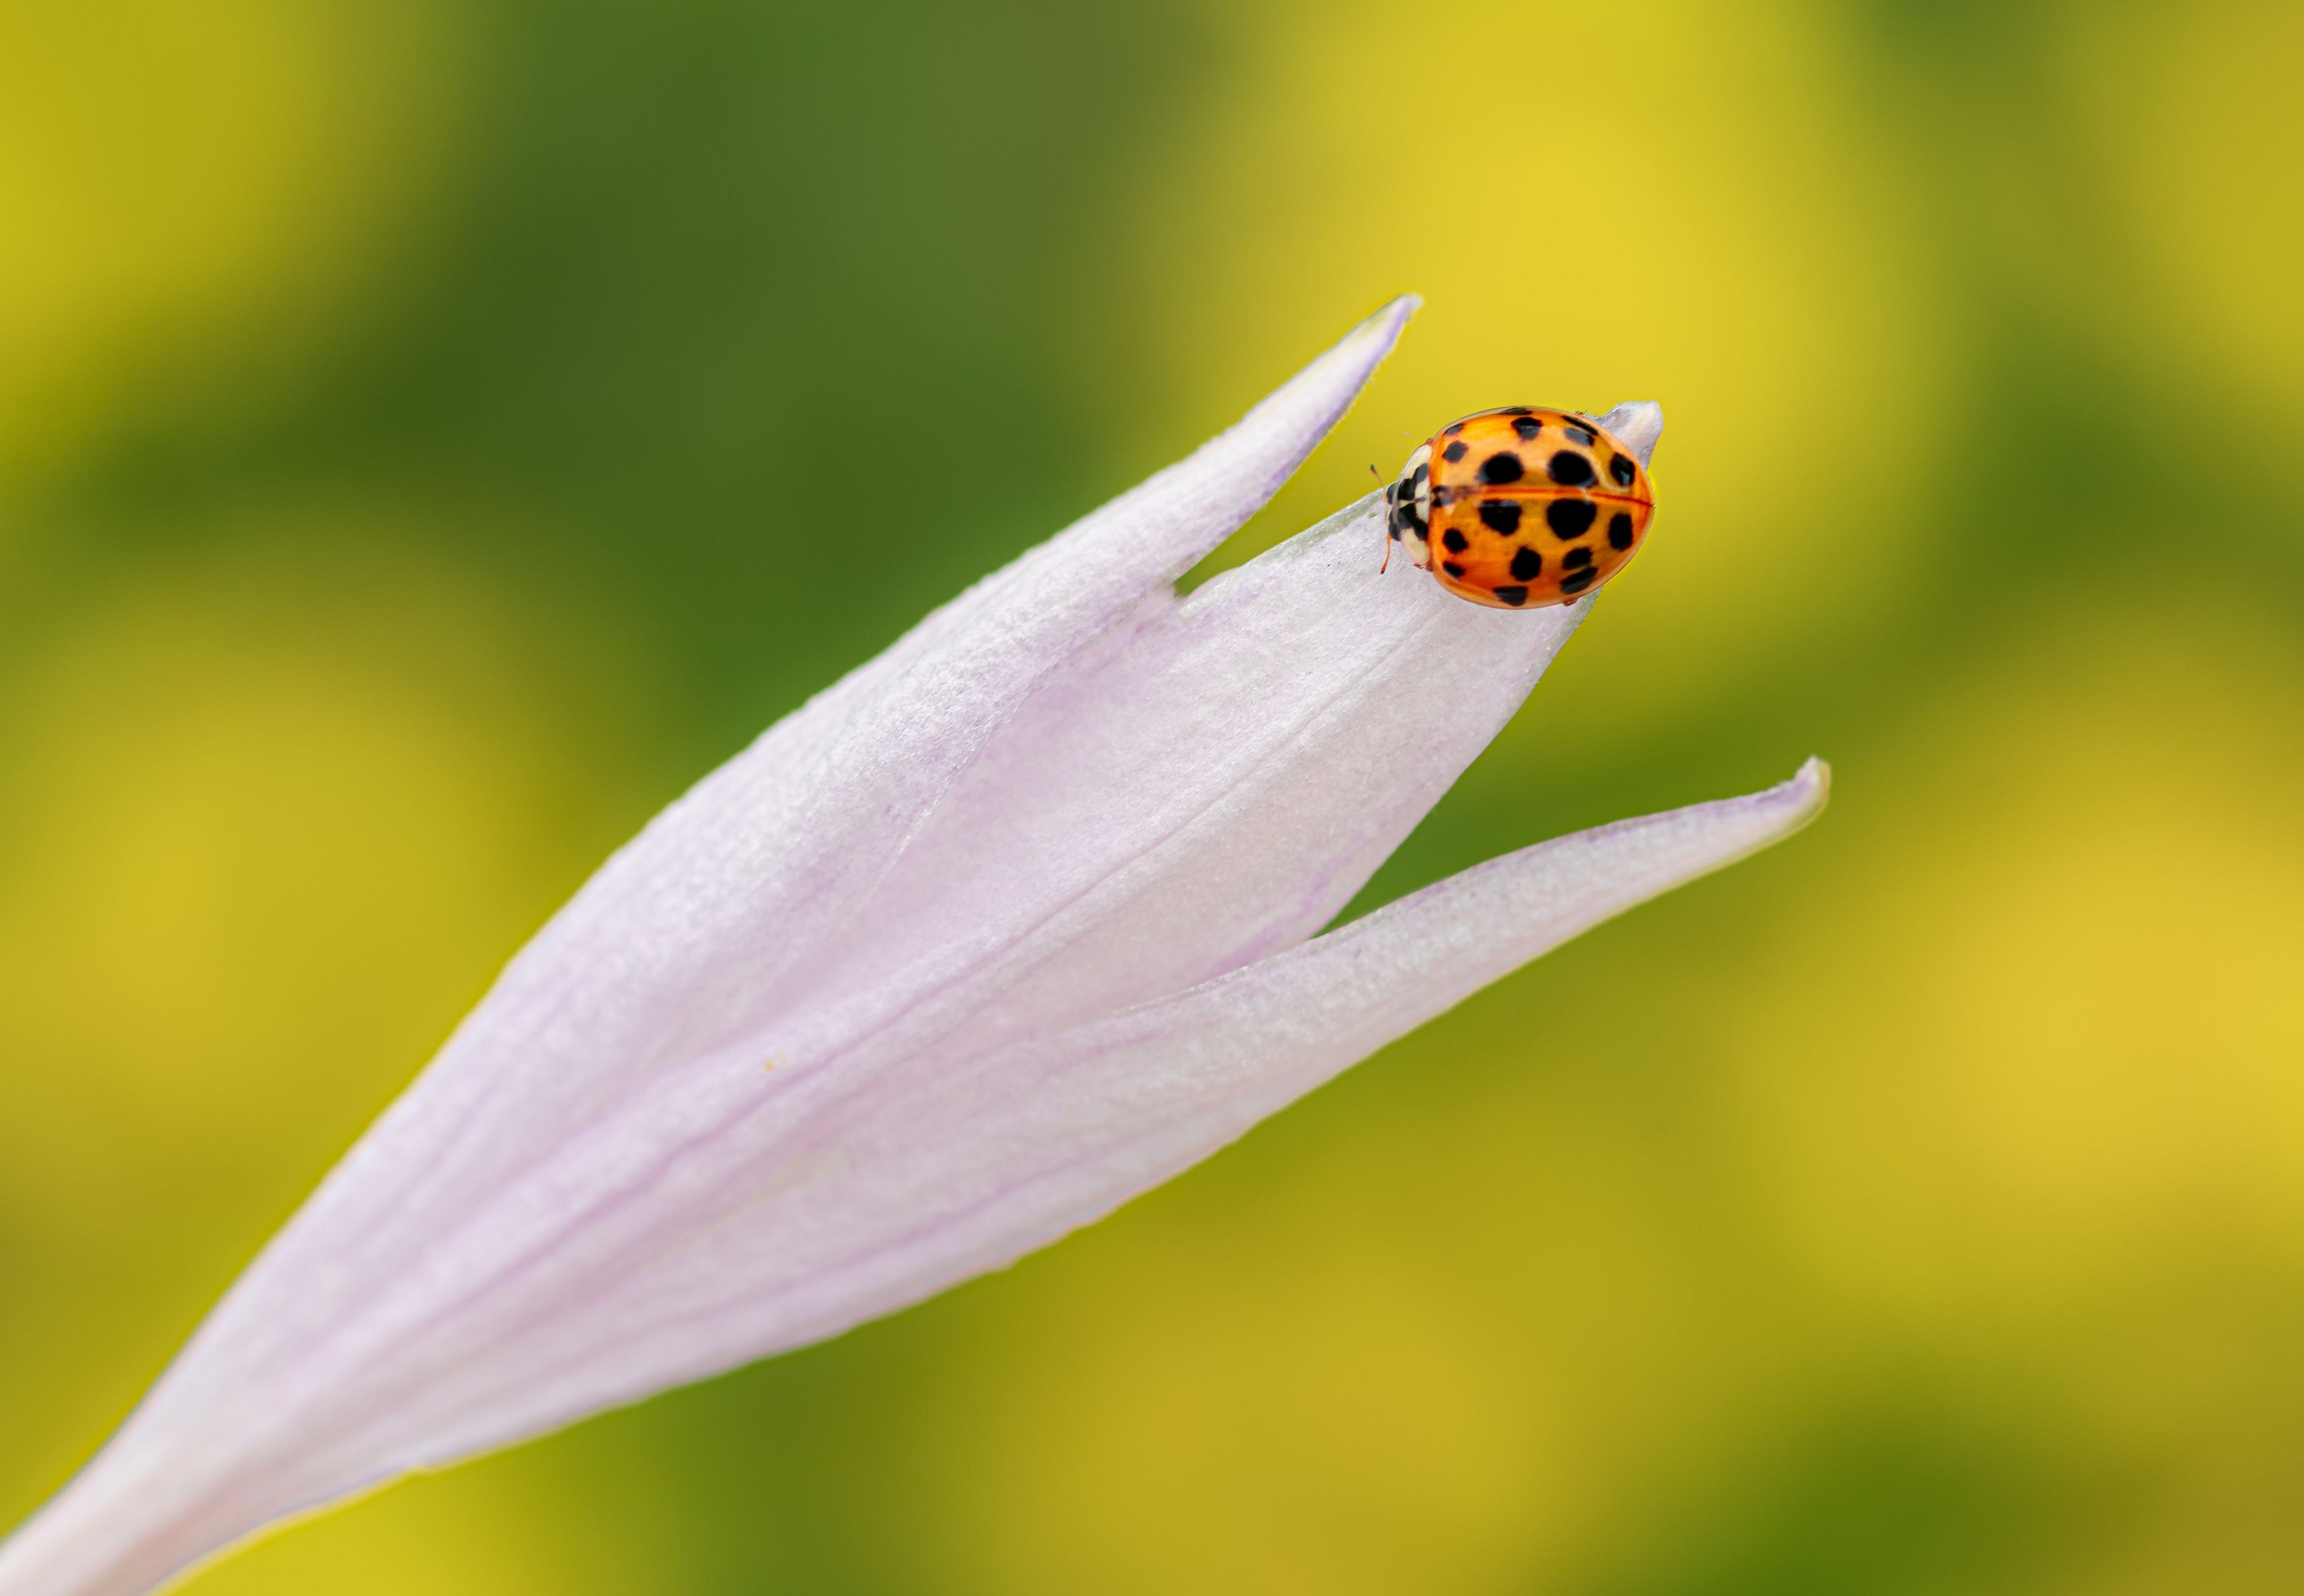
column 1408, row 507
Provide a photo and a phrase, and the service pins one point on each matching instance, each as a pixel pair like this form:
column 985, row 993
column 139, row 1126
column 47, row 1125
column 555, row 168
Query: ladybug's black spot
column 1395, row 532
column 1579, row 434
column 1571, row 470
column 1424, row 469
column 1620, row 467
column 1453, row 428
column 1514, row 596
column 1528, row 426
column 1570, row 518
column 1576, row 581
column 1520, row 409
column 1577, row 559
column 1502, row 468
column 1620, row 531
column 1455, row 540
column 1500, row 515
column 1455, row 451
column 1527, row 565
column 1452, row 568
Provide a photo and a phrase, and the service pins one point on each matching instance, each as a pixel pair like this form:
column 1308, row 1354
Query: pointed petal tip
column 1375, row 335
column 1809, row 790
column 1637, row 424
column 1790, row 806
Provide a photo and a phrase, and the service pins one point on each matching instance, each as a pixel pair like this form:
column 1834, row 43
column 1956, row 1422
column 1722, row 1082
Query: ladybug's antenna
column 1387, row 531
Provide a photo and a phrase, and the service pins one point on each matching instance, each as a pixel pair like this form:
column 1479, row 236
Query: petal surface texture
column 1007, row 926
column 683, row 947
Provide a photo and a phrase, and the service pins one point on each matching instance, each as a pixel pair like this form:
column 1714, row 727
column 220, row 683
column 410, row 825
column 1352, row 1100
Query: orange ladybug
column 1521, row 508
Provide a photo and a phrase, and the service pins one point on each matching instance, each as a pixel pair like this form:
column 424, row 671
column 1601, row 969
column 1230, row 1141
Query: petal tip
column 1637, row 424
column 1384, row 326
column 1807, row 793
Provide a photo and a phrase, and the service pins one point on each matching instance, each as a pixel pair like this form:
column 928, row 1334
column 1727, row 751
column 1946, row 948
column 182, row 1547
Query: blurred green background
column 423, row 451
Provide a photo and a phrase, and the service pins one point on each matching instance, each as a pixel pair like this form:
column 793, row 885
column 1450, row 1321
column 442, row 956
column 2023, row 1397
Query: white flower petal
column 886, row 1196
column 682, row 943
column 1213, row 789
column 773, row 1229
column 1637, row 426
column 1081, row 1121
column 1233, row 775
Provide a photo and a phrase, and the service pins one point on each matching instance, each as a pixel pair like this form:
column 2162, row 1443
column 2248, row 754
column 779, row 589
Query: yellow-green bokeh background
column 423, row 450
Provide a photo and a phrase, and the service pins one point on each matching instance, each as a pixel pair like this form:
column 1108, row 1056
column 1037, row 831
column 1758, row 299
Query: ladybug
column 1521, row 508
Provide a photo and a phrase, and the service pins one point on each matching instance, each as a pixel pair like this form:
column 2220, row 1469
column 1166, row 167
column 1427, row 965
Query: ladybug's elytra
column 1522, row 507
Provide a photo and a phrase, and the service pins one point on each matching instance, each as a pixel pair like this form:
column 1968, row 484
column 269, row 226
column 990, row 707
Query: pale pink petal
column 1637, row 426
column 686, row 937
column 1212, row 790
column 1080, row 1121
column 884, row 1197
column 680, row 945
